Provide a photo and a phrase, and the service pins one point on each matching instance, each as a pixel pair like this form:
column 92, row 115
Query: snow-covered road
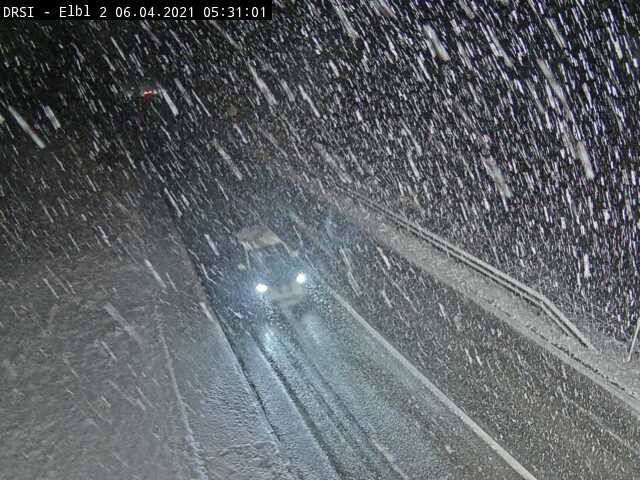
column 368, row 414
column 501, row 368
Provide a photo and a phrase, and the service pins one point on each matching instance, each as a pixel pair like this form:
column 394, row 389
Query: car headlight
column 301, row 278
column 261, row 288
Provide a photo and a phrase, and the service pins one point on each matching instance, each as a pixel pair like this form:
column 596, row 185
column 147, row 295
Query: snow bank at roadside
column 109, row 364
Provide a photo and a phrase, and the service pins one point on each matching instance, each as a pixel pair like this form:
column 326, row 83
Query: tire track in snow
column 439, row 394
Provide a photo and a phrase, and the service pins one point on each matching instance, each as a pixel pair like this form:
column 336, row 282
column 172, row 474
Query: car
column 145, row 91
column 273, row 270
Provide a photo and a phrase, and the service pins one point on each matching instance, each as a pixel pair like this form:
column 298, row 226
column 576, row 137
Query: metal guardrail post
column 635, row 338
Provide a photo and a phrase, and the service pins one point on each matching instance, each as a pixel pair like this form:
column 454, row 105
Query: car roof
column 257, row 237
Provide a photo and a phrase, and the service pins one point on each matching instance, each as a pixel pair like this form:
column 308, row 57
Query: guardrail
column 511, row 284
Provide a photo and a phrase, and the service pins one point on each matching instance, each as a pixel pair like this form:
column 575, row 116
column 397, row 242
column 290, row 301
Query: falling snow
column 507, row 128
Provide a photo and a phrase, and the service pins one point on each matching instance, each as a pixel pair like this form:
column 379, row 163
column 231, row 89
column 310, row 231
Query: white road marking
column 439, row 394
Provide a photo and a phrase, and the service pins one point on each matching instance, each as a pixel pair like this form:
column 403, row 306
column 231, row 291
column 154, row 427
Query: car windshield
column 270, row 255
